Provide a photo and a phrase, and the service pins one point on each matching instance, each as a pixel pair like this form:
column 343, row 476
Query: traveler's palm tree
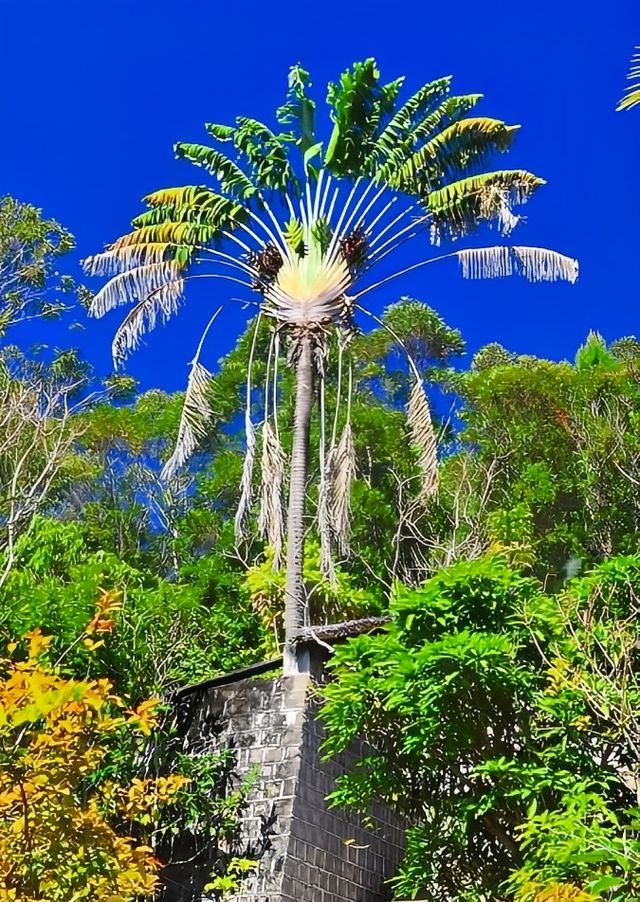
column 632, row 94
column 301, row 227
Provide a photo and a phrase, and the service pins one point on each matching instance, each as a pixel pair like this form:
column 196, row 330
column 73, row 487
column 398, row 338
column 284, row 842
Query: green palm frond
column 404, row 121
column 267, row 154
column 174, row 232
column 194, row 204
column 232, row 179
column 445, row 113
column 451, row 110
column 632, row 93
column 299, row 109
column 460, row 208
column 294, row 235
column 452, row 152
column 262, row 151
column 221, row 133
column 360, row 106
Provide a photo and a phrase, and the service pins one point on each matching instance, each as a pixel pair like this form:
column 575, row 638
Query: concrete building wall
column 307, row 852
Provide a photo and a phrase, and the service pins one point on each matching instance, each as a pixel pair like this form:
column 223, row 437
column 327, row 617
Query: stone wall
column 307, row 852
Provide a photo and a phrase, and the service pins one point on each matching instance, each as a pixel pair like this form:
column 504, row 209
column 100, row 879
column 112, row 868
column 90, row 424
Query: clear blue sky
column 93, row 96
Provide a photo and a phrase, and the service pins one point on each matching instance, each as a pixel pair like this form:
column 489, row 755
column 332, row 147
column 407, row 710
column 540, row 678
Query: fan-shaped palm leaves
column 301, row 228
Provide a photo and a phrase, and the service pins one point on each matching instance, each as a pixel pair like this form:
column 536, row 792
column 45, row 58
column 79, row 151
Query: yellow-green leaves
column 57, row 839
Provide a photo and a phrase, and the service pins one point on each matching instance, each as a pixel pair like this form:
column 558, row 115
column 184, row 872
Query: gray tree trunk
column 294, row 593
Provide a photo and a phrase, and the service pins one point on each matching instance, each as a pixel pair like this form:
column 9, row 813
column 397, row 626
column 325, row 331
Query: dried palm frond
column 271, row 518
column 334, row 501
column 109, row 263
column 537, row 264
column 136, row 284
column 246, row 494
column 246, row 483
column 424, row 438
column 194, row 421
column 163, row 302
column 341, row 470
column 325, row 535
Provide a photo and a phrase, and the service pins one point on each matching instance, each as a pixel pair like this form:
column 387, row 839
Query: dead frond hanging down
column 537, row 264
column 111, row 262
column 134, row 285
column 194, row 421
column 246, row 494
column 334, row 502
column 325, row 533
column 341, row 471
column 424, row 438
column 271, row 519
column 143, row 317
column 246, row 483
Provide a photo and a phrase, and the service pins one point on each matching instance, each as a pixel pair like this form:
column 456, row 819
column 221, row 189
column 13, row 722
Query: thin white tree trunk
column 295, row 598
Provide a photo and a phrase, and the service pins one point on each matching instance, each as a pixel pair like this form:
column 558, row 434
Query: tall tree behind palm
column 301, row 227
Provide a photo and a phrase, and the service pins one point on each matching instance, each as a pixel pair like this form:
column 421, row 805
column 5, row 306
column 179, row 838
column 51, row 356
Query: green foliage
column 30, row 248
column 57, row 837
column 500, row 733
column 594, row 353
column 560, row 440
column 328, row 603
column 168, row 634
column 359, row 105
column 299, row 109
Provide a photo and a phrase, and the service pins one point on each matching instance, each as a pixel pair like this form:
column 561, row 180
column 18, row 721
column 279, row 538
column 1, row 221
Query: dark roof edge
column 233, row 677
column 337, row 632
column 323, row 634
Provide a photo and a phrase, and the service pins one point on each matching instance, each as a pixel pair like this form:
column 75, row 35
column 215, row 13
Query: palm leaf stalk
column 302, row 240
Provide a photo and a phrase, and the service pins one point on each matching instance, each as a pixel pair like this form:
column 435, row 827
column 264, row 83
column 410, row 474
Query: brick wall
column 307, row 852
column 332, row 857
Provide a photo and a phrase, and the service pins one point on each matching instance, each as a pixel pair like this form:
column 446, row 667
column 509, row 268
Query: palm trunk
column 294, row 592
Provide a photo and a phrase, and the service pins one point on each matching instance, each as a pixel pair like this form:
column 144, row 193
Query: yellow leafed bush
column 58, row 836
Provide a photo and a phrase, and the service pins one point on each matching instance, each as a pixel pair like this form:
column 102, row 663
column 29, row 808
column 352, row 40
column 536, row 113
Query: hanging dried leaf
column 244, row 505
column 194, row 421
column 271, row 519
column 334, row 502
column 162, row 302
column 424, row 438
column 537, row 264
column 135, row 285
column 341, row 471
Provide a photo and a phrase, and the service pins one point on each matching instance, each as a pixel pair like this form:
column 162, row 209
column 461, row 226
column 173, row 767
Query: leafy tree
column 57, row 840
column 498, row 719
column 168, row 634
column 36, row 452
column 304, row 255
column 547, row 450
column 30, row 247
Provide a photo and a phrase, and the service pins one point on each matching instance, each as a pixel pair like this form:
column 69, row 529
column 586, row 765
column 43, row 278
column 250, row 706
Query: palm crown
column 301, row 227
